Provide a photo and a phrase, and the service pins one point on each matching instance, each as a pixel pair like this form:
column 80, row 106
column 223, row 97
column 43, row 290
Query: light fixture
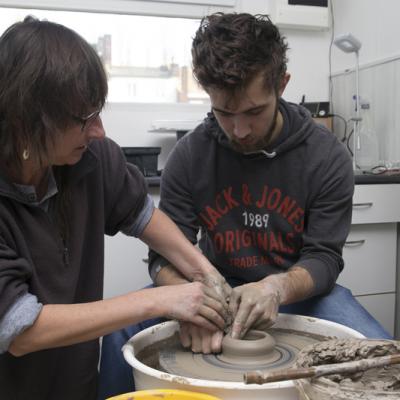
column 349, row 44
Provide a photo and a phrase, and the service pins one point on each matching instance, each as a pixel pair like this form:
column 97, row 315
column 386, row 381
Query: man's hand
column 254, row 305
column 200, row 340
column 257, row 304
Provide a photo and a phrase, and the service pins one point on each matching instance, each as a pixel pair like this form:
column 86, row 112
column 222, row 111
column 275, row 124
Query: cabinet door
column 370, row 259
column 376, row 204
column 382, row 308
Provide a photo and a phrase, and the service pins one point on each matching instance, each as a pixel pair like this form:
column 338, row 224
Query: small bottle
column 367, row 145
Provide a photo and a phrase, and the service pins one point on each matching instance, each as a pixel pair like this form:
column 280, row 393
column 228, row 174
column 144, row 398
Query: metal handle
column 354, row 243
column 369, row 204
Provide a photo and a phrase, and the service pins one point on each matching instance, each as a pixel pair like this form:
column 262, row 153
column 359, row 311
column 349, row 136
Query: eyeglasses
column 87, row 121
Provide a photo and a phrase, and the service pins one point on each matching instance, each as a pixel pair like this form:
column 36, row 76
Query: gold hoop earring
column 25, row 154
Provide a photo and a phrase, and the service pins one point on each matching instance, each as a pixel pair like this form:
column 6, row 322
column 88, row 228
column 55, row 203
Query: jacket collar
column 26, row 194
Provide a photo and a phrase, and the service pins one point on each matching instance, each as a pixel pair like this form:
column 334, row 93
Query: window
column 147, row 58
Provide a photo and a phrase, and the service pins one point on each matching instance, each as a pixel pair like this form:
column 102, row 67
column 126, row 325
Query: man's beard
column 264, row 141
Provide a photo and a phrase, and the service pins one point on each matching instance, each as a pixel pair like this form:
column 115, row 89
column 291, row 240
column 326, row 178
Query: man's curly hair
column 228, row 50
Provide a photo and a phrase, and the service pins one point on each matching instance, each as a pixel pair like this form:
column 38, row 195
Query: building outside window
column 147, row 58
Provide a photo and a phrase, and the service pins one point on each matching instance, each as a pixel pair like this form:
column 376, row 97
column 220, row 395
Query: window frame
column 159, row 8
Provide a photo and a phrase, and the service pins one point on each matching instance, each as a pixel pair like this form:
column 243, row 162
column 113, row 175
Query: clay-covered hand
column 200, row 340
column 196, row 303
column 254, row 305
column 214, row 280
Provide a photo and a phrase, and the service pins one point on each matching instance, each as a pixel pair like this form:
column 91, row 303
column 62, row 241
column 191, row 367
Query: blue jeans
column 338, row 306
column 115, row 375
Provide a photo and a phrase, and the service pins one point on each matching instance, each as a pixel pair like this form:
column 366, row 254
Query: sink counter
column 374, row 179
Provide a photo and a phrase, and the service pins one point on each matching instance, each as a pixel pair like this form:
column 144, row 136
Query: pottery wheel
column 179, row 361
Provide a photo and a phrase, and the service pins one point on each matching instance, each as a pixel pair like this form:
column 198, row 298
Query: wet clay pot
column 256, row 344
column 150, row 378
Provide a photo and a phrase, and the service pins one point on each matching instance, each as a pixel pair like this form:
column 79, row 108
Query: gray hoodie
column 262, row 213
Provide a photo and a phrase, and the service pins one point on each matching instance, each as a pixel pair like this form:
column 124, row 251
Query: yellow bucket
column 169, row 394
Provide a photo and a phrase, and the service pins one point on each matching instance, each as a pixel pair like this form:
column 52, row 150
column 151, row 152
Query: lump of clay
column 343, row 350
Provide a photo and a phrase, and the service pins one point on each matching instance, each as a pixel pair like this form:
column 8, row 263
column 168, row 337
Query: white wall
column 308, row 65
column 129, row 124
column 374, row 23
column 376, row 26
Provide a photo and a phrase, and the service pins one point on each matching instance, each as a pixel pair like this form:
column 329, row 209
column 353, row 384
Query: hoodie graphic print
column 267, row 246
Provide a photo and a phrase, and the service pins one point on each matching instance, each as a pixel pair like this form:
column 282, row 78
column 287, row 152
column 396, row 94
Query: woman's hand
column 164, row 237
column 196, row 303
column 214, row 280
